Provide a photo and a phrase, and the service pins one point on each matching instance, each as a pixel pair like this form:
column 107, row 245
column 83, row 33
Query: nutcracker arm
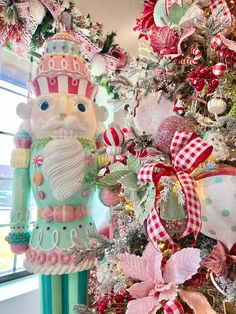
column 19, row 234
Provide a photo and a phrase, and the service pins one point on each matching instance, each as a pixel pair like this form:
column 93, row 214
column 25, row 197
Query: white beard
column 63, row 166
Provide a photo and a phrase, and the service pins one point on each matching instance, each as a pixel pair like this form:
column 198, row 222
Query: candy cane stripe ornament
column 197, row 56
column 113, row 138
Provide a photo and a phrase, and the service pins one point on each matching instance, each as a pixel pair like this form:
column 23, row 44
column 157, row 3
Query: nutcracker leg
column 59, row 293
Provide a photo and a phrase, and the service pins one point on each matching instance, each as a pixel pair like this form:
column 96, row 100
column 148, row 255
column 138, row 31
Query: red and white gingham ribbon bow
column 225, row 9
column 187, row 152
column 173, row 307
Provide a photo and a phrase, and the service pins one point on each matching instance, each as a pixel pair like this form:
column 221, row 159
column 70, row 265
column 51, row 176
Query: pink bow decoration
column 48, row 214
column 168, row 44
column 187, row 152
column 220, row 259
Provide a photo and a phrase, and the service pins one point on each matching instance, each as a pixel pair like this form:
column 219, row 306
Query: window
column 13, row 77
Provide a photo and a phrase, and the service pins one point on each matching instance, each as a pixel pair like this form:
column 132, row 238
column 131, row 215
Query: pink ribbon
column 187, row 152
column 89, row 50
column 23, row 10
column 53, row 8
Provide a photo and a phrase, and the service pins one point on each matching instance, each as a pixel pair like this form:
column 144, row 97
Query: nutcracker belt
column 61, row 213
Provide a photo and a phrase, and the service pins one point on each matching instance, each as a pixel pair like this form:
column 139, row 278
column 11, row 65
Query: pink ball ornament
column 110, row 197
column 113, row 138
column 167, row 129
column 19, row 248
column 219, row 69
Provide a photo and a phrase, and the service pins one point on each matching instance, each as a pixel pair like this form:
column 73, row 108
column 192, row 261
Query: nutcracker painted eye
column 81, row 107
column 44, row 106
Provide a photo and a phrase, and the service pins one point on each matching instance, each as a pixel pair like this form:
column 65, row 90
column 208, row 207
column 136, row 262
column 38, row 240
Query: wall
column 27, row 303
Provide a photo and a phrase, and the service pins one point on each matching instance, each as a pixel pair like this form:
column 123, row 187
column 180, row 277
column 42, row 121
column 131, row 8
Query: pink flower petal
column 142, row 289
column 170, row 293
column 197, row 302
column 182, row 265
column 153, row 258
column 143, row 306
column 134, row 266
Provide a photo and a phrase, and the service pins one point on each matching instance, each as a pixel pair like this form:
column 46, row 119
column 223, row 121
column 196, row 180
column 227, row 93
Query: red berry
column 214, row 83
column 192, row 75
column 199, row 69
column 119, row 298
column 194, row 82
column 201, row 80
column 199, row 86
column 211, row 89
column 233, row 250
column 102, row 308
column 204, row 72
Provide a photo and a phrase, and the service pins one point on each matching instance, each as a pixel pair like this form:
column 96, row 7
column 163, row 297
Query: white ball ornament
column 217, row 105
column 98, row 65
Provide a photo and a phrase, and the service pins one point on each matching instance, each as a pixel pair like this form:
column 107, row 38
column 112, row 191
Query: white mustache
column 70, row 123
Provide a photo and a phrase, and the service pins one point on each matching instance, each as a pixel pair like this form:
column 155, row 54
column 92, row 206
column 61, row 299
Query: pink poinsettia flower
column 157, row 285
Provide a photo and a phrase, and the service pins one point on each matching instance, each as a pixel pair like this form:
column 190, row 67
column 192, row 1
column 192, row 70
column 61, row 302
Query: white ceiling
column 115, row 15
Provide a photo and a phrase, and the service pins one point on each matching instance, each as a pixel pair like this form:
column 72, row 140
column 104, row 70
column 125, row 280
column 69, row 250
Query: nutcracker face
column 69, row 114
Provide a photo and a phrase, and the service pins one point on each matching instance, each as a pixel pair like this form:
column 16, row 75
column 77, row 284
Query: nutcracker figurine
column 55, row 157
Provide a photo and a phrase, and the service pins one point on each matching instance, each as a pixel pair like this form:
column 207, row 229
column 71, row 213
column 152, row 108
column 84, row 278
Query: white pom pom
column 98, row 65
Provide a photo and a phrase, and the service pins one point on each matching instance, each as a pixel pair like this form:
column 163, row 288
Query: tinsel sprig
column 83, row 309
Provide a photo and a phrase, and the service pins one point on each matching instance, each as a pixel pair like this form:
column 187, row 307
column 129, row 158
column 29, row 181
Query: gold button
column 38, row 178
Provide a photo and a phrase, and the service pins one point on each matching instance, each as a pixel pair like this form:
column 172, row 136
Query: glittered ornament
column 167, row 129
column 109, row 197
column 232, row 112
column 217, row 105
column 220, row 150
column 152, row 109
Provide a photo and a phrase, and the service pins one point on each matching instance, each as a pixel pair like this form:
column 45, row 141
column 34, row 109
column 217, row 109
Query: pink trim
column 51, row 258
column 89, row 90
column 52, row 84
column 36, row 88
column 73, row 85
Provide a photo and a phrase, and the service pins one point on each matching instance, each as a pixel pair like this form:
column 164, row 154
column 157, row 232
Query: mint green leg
column 59, row 293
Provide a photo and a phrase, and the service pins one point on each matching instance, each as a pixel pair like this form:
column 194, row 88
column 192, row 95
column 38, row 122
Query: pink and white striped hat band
column 63, row 83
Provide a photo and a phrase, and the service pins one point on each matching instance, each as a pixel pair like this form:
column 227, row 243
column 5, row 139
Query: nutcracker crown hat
column 61, row 69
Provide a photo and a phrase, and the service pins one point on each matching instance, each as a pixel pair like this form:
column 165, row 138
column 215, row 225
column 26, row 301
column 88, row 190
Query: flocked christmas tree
column 171, row 176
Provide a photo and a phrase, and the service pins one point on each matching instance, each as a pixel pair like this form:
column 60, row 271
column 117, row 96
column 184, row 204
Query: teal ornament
column 171, row 209
column 177, row 12
column 159, row 13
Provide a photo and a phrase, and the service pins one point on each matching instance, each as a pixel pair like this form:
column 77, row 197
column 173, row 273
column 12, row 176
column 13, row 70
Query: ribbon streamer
column 89, row 50
column 53, row 8
column 187, row 152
